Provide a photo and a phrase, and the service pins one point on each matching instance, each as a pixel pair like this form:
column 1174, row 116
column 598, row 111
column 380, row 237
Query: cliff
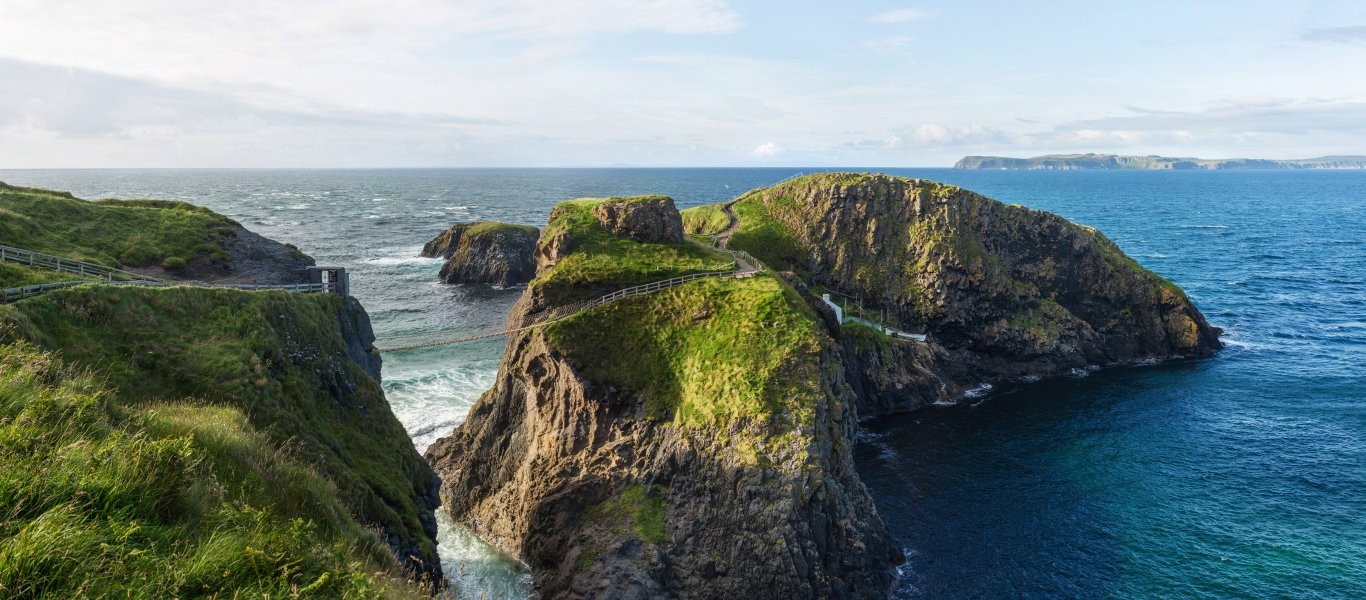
column 1004, row 293
column 160, row 238
column 485, row 252
column 1120, row 161
column 198, row 441
column 696, row 442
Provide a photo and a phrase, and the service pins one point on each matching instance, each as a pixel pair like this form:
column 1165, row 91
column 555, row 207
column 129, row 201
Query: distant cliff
column 1152, row 162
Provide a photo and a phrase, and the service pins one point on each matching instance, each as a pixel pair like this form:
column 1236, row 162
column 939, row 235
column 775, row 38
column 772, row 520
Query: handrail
column 29, row 291
column 63, row 264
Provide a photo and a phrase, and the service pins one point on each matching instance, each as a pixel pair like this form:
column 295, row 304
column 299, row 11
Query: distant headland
column 1153, row 162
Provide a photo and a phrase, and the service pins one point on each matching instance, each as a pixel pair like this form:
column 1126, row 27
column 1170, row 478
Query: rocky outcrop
column 641, row 218
column 1004, row 292
column 584, row 478
column 499, row 254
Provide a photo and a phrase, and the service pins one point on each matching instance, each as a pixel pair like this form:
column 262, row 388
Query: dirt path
column 724, row 236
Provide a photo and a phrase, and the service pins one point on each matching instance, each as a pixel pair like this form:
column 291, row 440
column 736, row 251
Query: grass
column 708, row 219
column 640, row 507
column 160, row 500
column 115, row 233
column 596, row 261
column 764, row 234
column 277, row 358
column 15, row 275
column 705, row 353
column 492, row 227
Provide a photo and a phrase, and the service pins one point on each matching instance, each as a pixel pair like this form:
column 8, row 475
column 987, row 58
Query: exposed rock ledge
column 488, row 252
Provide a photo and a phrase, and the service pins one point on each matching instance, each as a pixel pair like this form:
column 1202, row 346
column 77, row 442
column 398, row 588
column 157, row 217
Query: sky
column 571, row 83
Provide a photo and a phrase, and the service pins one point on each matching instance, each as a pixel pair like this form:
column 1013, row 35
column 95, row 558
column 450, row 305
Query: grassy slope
column 597, row 261
column 102, row 499
column 277, row 358
column 708, row 219
column 706, row 352
column 115, row 233
column 15, row 275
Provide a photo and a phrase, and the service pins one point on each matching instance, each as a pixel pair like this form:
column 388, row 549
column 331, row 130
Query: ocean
column 1239, row 476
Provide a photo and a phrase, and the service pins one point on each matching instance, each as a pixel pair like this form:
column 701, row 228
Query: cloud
column 1352, row 34
column 766, row 150
column 901, row 15
column 888, row 44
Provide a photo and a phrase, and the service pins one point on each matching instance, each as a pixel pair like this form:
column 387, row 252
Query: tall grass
column 99, row 499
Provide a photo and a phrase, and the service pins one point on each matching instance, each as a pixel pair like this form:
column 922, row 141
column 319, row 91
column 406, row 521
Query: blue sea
column 1241, row 476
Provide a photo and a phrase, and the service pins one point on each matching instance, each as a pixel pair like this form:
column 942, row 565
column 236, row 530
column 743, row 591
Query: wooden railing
column 65, row 265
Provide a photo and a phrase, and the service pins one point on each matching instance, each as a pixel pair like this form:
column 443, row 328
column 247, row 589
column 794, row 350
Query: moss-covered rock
column 485, row 252
column 695, row 442
column 1004, row 292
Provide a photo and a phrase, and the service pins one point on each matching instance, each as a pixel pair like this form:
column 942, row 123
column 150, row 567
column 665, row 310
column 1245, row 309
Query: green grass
column 597, row 261
column 491, row 227
column 635, row 507
column 705, row 353
column 763, row 233
column 100, row 499
column 275, row 357
column 708, row 219
column 15, row 275
column 116, row 233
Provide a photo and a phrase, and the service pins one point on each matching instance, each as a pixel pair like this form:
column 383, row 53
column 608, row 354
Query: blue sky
column 393, row 83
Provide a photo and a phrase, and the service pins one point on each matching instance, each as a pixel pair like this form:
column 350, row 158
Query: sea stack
column 490, row 252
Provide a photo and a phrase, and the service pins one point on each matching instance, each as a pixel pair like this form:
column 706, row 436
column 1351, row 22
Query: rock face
column 489, row 252
column 641, row 218
column 1004, row 292
column 604, row 495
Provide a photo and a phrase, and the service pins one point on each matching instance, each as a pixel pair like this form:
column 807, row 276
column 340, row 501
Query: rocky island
column 488, row 252
column 184, row 441
column 696, row 441
column 1152, row 162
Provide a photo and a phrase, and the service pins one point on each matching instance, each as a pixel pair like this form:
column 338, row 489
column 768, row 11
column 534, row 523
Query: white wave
column 1204, row 226
column 301, row 206
column 402, row 260
column 475, row 569
column 455, row 208
column 1080, row 372
column 979, row 391
column 379, row 199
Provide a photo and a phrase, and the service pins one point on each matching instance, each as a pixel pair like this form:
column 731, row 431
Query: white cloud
column 887, row 44
column 901, row 15
column 766, row 150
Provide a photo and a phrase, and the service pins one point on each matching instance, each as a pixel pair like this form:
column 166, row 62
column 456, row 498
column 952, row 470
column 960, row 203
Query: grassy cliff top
column 932, row 253
column 181, row 498
column 116, row 233
column 270, row 373
column 491, row 227
column 707, row 352
column 595, row 261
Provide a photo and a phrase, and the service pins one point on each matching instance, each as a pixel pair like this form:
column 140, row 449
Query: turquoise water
column 1239, row 476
